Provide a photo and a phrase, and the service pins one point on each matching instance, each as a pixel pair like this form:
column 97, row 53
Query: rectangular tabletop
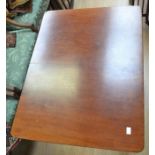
column 84, row 85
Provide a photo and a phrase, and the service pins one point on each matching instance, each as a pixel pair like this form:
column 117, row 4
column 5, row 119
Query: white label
column 128, row 130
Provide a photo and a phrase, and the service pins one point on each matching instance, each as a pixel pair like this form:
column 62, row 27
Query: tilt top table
column 84, row 85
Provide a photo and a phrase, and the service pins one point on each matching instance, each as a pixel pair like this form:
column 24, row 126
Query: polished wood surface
column 84, row 85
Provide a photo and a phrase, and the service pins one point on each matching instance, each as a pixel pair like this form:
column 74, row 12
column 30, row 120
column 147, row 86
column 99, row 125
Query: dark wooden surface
column 84, row 85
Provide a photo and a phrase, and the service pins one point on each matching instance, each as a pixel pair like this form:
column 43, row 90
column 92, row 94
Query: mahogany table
column 84, row 85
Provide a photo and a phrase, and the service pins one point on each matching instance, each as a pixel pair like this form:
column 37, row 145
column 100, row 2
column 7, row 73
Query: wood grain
column 84, row 85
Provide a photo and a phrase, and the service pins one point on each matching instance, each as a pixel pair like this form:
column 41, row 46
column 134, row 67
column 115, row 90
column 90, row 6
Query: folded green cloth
column 18, row 58
column 35, row 17
column 11, row 105
column 17, row 62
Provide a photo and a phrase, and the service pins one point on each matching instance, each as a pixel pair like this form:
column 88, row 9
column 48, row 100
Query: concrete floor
column 39, row 148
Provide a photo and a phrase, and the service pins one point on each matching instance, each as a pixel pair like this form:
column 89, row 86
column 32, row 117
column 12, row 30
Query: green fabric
column 17, row 62
column 38, row 9
column 18, row 58
column 11, row 105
